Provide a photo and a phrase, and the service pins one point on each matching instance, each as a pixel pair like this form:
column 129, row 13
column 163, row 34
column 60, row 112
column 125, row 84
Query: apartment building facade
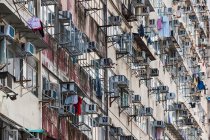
column 104, row 69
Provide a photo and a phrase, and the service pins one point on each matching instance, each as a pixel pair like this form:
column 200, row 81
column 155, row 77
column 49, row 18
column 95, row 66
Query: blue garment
column 98, row 88
column 165, row 31
column 201, row 85
column 141, row 30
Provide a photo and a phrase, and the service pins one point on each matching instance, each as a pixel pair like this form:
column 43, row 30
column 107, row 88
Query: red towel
column 78, row 106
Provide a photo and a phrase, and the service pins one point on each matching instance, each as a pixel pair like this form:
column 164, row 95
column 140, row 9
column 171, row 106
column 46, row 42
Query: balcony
column 19, row 21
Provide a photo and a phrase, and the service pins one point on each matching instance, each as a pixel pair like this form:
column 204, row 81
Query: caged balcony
column 128, row 12
column 74, row 41
column 124, row 47
column 120, row 80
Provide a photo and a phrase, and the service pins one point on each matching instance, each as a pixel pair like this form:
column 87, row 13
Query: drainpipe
column 106, row 99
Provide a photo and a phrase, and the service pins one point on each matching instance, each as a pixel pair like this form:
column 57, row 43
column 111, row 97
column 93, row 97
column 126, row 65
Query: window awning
column 36, row 130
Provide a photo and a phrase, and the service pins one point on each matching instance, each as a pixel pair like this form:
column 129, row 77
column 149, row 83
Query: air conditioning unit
column 152, row 23
column 116, row 131
column 146, row 61
column 159, row 124
column 202, row 74
column 170, row 108
column 188, row 9
column 30, row 48
column 154, row 72
column 196, row 98
column 149, row 111
column 189, row 121
column 143, row 11
column 106, row 62
column 121, row 80
column 12, row 134
column 115, row 93
column 115, row 20
column 183, row 113
column 179, row 106
column 67, row 109
column 203, row 41
column 138, row 3
column 127, row 138
column 95, row 63
column 170, row 96
column 105, row 121
column 65, row 16
column 141, row 56
column 52, row 94
column 192, row 90
column 142, row 72
column 163, row 89
column 182, row 33
column 169, row 11
column 193, row 18
column 7, row 31
column 93, row 46
column 136, row 98
column 187, row 43
column 91, row 109
column 69, row 88
column 146, row 111
column 6, row 82
column 176, row 23
column 205, row 17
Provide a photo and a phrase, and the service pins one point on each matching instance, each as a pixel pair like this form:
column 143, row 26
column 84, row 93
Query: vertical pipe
column 57, row 33
column 3, row 51
column 106, row 71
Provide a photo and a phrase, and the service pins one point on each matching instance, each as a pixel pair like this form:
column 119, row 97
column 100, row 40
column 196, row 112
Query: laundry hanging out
column 78, row 109
column 36, row 25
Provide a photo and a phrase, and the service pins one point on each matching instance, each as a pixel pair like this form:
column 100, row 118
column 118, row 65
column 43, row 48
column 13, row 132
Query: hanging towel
column 78, row 109
column 73, row 99
column 34, row 23
column 141, row 30
column 159, row 24
column 159, row 133
column 165, row 30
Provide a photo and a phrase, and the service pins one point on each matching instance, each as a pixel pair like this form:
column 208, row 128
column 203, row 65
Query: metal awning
column 143, row 46
column 14, row 19
column 36, row 130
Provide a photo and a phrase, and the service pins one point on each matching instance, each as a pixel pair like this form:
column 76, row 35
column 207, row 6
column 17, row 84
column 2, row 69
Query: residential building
column 104, row 70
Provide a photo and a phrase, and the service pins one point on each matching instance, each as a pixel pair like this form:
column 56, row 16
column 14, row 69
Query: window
column 124, row 99
column 31, row 76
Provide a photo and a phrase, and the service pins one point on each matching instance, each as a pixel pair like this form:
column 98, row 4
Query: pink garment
column 159, row 24
column 159, row 132
column 34, row 23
